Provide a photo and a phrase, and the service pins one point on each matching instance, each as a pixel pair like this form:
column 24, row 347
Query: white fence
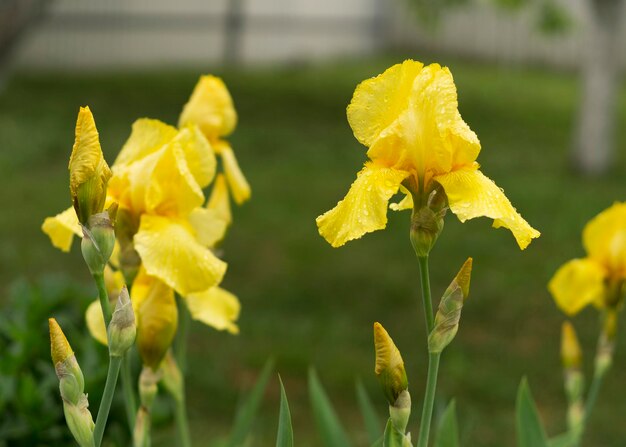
column 139, row 33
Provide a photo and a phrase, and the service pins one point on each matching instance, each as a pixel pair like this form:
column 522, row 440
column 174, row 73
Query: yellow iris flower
column 408, row 118
column 598, row 278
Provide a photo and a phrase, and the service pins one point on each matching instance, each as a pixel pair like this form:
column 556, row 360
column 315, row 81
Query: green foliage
column 392, row 437
column 448, row 432
column 30, row 403
column 370, row 417
column 530, row 432
column 284, row 438
column 329, row 427
column 249, row 408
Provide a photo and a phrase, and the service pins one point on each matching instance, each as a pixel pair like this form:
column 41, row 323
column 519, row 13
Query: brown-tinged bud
column 141, row 433
column 389, row 365
column 89, row 172
column 427, row 221
column 98, row 242
column 606, row 342
column 122, row 329
column 400, row 411
column 79, row 421
column 449, row 312
column 148, row 381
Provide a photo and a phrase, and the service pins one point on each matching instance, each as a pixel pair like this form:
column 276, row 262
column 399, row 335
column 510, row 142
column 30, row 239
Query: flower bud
column 80, row 421
column 98, row 241
column 606, row 342
column 148, row 381
column 171, row 376
column 400, row 411
column 389, row 365
column 449, row 312
column 571, row 354
column 122, row 329
column 427, row 221
column 141, row 434
column 89, row 172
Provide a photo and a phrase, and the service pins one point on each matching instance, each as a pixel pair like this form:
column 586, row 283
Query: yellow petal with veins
column 364, row 208
column 604, row 238
column 170, row 252
column 576, row 284
column 219, row 200
column 198, row 154
column 62, row 228
column 215, row 307
column 471, row 194
column 236, row 180
column 209, row 226
column 147, row 136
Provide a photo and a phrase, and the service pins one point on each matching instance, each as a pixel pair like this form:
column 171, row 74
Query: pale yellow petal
column 471, row 194
column 95, row 322
column 378, row 101
column 604, row 238
column 210, row 107
column 156, row 316
column 215, row 307
column 209, row 226
column 364, row 209
column 170, row 252
column 237, row 181
column 576, row 284
column 406, row 203
column 147, row 136
column 198, row 154
column 62, row 228
column 219, row 200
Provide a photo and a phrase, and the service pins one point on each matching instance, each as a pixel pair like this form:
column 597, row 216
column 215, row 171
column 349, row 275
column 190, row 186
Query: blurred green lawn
column 305, row 303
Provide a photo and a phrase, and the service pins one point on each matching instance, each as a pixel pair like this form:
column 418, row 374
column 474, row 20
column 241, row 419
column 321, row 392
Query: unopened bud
column 122, row 329
column 141, row 433
column 389, row 365
column 449, row 312
column 98, row 242
column 148, row 381
column 606, row 342
column 400, row 411
column 89, row 172
column 60, row 348
column 171, row 376
column 79, row 421
column 571, row 354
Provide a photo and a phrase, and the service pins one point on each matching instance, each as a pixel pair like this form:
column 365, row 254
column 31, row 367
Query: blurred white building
column 141, row 33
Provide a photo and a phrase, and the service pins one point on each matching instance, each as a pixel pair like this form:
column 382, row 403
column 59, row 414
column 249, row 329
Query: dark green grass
column 305, row 303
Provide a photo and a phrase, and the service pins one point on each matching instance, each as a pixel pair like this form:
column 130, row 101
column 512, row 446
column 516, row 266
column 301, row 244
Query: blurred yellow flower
column 210, row 107
column 408, row 118
column 599, row 278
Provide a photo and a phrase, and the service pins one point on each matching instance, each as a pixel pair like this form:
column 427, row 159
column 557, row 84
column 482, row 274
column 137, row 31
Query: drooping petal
column 577, row 284
column 215, row 307
column 209, row 226
column 156, row 315
column 147, row 136
column 170, row 252
column 95, row 322
column 210, row 107
column 471, row 194
column 364, row 208
column 219, row 200
column 198, row 154
column 236, row 180
column 62, row 228
column 604, row 238
column 378, row 101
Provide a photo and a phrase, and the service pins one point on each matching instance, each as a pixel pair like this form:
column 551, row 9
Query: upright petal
column 604, row 238
column 170, row 252
column 237, row 181
column 378, row 101
column 62, row 228
column 219, row 200
column 198, row 153
column 215, row 307
column 471, row 194
column 211, row 108
column 364, row 209
column 95, row 322
column 209, row 226
column 577, row 284
column 147, row 136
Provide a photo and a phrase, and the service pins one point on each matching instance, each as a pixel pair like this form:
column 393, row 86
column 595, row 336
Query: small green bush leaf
column 284, row 438
column 328, row 425
column 530, row 432
column 448, row 432
column 370, row 417
column 247, row 412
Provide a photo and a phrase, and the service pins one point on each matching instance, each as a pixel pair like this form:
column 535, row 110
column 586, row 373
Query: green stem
column 182, row 423
column 107, row 398
column 433, row 358
column 594, row 391
column 129, row 394
column 104, row 298
column 180, row 346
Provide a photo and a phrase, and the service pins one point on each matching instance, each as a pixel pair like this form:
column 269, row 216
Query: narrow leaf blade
column 370, row 417
column 448, row 432
column 530, row 432
column 284, row 438
column 328, row 425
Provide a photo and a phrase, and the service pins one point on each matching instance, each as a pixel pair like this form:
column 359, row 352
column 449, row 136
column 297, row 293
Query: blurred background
column 539, row 81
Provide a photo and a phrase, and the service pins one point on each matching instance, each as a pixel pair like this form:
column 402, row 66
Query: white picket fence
column 80, row 34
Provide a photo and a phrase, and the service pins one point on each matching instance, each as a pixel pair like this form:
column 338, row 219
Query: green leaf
column 392, row 437
column 247, row 411
column 530, row 432
column 284, row 438
column 328, row 425
column 563, row 440
column 448, row 432
column 370, row 417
